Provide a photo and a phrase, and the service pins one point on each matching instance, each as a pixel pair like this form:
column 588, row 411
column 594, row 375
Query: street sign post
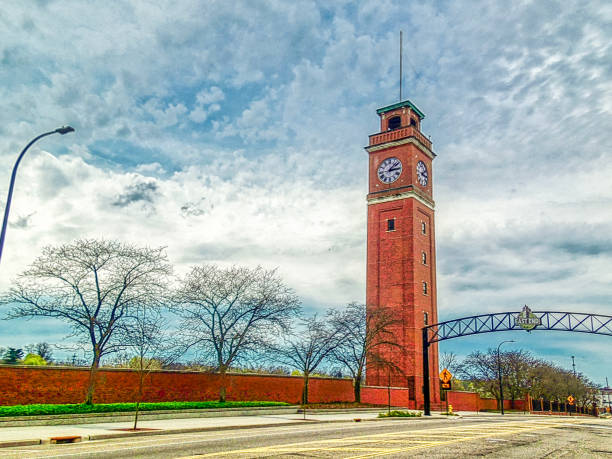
column 445, row 379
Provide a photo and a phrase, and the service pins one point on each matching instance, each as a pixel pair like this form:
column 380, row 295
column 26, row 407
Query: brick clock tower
column 401, row 264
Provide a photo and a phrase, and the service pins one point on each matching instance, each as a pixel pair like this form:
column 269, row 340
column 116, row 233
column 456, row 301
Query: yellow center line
column 539, row 426
column 422, row 440
column 429, row 442
column 377, row 450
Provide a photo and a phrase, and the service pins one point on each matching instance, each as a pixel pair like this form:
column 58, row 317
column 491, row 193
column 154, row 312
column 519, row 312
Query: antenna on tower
column 401, row 73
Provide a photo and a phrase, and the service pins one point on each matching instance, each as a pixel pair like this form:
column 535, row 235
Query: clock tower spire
column 401, row 259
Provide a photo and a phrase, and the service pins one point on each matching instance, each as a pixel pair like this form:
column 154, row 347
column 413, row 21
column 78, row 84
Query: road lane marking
column 425, row 438
column 539, row 426
column 356, row 444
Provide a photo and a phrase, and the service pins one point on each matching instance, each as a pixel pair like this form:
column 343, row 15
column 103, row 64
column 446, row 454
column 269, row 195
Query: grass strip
column 44, row 409
column 400, row 414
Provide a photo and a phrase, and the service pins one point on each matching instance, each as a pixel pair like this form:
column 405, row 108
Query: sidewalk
column 38, row 434
column 34, row 435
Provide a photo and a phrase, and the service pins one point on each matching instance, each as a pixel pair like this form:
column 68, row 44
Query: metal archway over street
column 526, row 320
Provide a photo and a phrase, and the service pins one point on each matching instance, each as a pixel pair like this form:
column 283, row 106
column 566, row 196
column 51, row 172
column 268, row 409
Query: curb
column 345, row 410
column 146, row 433
column 16, row 443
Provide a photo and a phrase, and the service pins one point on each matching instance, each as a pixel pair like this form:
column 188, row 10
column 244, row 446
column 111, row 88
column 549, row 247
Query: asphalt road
column 532, row 437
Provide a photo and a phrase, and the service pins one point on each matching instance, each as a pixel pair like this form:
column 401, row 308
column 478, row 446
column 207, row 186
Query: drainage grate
column 66, row 439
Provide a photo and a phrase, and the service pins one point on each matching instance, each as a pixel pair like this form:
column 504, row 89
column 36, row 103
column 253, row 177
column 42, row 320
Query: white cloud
column 210, row 96
column 200, row 217
column 206, row 104
column 233, row 133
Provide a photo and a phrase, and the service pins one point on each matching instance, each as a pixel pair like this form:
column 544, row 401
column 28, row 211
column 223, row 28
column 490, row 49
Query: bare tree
column 91, row 285
column 450, row 361
column 523, row 373
column 516, row 368
column 147, row 334
column 551, row 382
column 481, row 369
column 229, row 313
column 308, row 347
column 42, row 349
column 363, row 333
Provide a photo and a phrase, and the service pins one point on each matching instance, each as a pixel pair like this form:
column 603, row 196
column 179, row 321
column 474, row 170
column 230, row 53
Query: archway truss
column 596, row 324
column 505, row 321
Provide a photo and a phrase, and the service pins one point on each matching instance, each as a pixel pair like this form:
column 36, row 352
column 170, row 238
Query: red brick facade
column 471, row 401
column 380, row 396
column 26, row 385
column 401, row 264
column 23, row 385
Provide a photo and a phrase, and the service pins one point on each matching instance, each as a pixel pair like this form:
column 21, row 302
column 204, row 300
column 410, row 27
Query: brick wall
column 22, row 385
column 471, row 401
column 26, row 385
column 463, row 401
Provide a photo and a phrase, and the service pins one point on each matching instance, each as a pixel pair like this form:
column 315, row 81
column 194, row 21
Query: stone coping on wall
column 463, row 391
column 229, row 373
column 385, row 387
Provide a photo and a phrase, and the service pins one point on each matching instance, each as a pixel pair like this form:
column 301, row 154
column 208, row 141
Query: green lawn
column 35, row 410
column 505, row 411
column 400, row 414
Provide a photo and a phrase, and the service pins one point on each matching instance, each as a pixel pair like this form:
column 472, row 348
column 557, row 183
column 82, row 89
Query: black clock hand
column 393, row 169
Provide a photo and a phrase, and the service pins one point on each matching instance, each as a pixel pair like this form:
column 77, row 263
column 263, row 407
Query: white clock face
column 389, row 170
column 421, row 170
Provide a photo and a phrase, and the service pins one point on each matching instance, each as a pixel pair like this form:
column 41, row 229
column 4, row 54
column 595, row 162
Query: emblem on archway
column 527, row 320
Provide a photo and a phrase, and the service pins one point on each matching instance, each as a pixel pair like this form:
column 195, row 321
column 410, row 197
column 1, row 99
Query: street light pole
column 499, row 373
column 63, row 130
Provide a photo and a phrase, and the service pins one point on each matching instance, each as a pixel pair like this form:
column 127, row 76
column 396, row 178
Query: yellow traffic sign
column 445, row 376
column 570, row 400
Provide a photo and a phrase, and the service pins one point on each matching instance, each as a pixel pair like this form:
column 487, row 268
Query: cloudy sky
column 233, row 133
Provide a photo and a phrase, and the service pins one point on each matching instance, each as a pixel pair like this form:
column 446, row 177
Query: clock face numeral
column 421, row 170
column 389, row 170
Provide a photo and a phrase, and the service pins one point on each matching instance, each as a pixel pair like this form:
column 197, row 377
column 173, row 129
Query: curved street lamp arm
column 62, row 130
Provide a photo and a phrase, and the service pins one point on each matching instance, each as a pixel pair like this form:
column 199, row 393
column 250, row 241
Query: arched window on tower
column 395, row 122
column 413, row 122
column 424, row 258
column 424, row 288
column 423, row 228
